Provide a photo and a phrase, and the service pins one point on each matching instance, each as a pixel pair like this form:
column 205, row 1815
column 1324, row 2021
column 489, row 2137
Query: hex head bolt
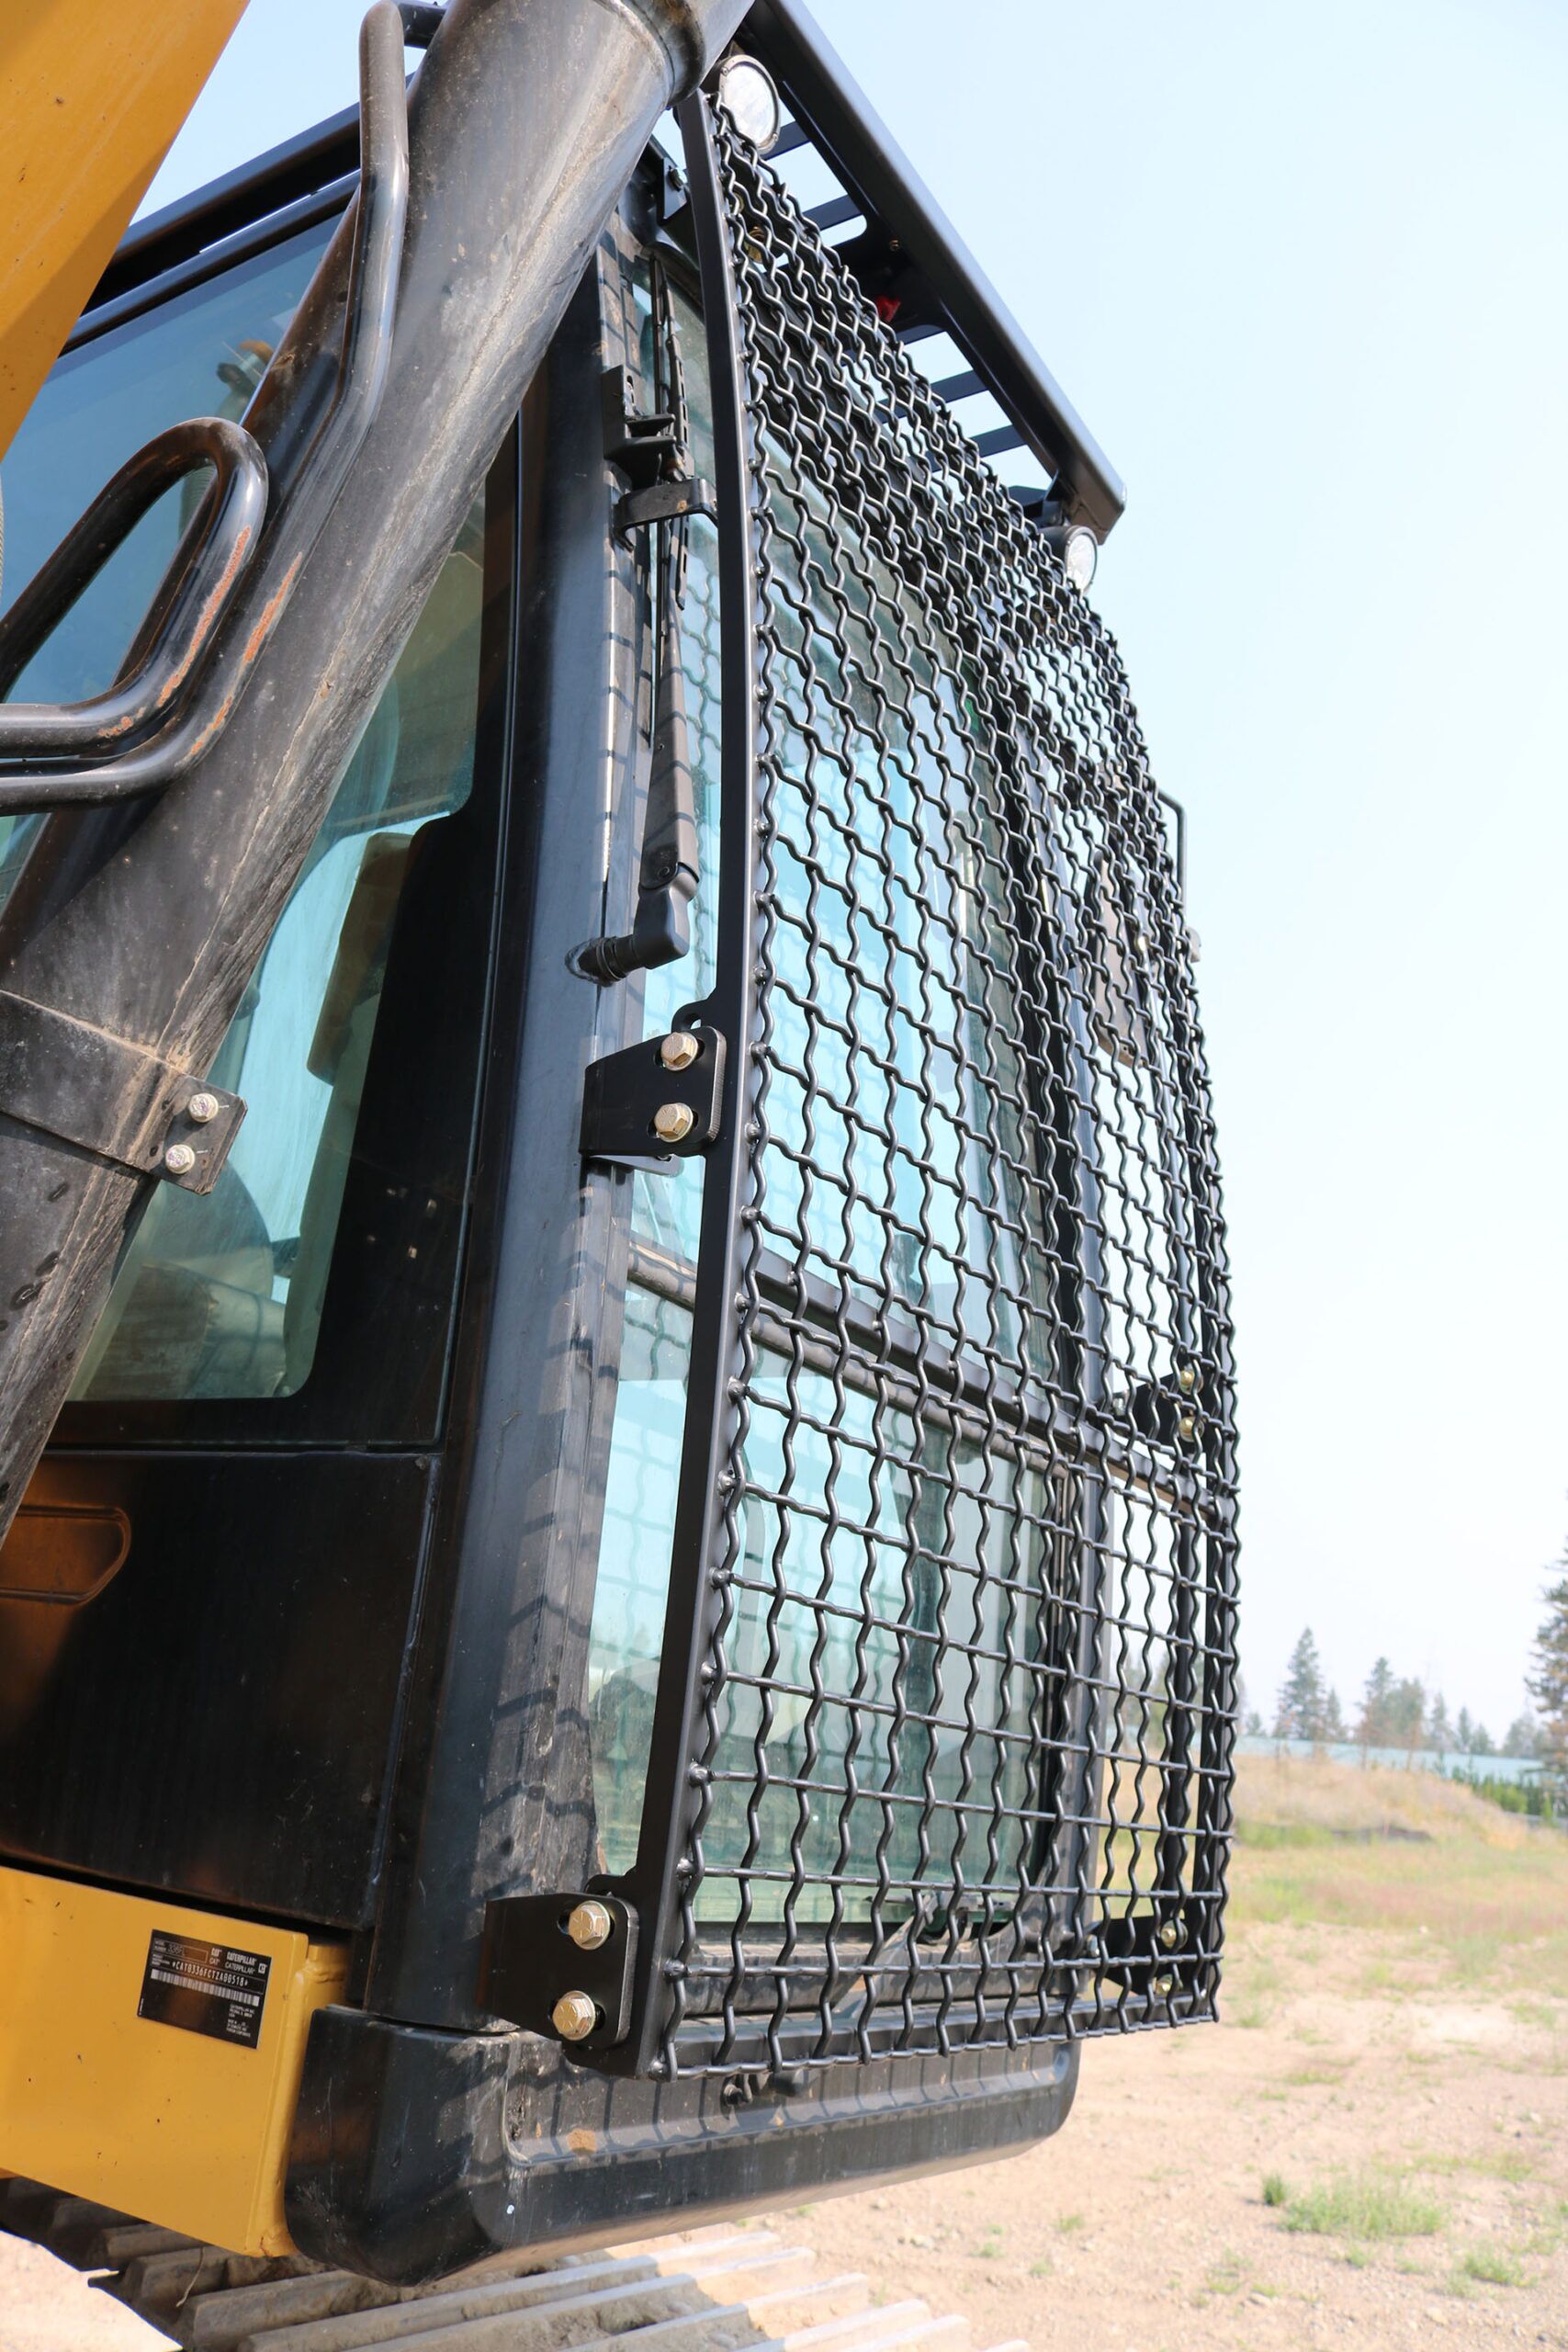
column 574, row 2016
column 589, row 1925
column 673, row 1122
column 679, row 1049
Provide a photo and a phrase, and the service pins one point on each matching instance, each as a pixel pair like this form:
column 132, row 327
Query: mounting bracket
column 537, row 1961
column 627, row 1097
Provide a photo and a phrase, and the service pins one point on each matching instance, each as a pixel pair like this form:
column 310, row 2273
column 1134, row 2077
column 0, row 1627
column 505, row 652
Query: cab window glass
column 222, row 1296
column 651, row 1402
column 201, row 355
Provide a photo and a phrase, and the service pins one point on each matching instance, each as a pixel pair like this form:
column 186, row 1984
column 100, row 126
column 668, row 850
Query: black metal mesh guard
column 964, row 1761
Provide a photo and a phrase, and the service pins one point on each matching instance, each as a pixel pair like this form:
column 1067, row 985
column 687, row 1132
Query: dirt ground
column 1393, row 2063
column 1142, row 2228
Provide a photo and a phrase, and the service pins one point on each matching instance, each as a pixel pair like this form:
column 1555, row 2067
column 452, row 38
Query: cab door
column 206, row 1600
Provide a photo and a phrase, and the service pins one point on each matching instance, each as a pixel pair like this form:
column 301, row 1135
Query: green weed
column 1492, row 2267
column 1364, row 2208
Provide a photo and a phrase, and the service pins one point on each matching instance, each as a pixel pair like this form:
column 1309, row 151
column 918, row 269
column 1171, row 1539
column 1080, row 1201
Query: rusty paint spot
column 215, row 724
column 581, row 2143
column 270, row 613
column 258, row 637
column 208, row 617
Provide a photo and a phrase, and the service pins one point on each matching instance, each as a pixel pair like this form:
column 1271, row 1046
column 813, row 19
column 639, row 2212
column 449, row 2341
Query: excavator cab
column 632, row 1612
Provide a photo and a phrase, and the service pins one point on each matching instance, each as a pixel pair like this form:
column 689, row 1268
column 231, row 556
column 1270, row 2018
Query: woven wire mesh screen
column 964, row 1762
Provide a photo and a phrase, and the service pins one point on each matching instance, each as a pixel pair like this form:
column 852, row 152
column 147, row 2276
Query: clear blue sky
column 1303, row 271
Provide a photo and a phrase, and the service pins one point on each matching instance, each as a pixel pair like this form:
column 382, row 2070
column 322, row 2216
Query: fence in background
column 1453, row 1764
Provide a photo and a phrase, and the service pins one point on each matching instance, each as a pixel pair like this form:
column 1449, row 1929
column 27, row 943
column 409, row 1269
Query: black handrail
column 214, row 555
column 310, row 459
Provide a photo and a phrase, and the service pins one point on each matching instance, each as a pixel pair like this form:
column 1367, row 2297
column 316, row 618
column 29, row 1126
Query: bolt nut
column 1187, row 1378
column 673, row 1122
column 590, row 1926
column 574, row 2016
column 1170, row 1934
column 179, row 1160
column 1165, row 1984
column 201, row 1108
column 1187, row 1428
column 679, row 1049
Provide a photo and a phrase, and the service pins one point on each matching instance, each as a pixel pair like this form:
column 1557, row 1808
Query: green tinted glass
column 221, row 1297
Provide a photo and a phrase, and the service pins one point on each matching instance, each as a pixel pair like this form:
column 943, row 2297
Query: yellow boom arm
column 91, row 95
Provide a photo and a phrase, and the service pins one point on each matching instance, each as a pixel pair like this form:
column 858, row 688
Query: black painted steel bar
column 704, row 1531
column 218, row 549
column 820, row 93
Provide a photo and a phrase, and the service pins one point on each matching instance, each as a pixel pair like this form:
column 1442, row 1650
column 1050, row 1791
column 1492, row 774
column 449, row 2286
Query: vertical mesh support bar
column 960, row 1720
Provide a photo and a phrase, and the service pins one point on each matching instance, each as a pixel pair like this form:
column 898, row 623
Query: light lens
column 748, row 94
column 1081, row 553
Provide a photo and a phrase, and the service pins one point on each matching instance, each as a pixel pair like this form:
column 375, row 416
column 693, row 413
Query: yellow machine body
column 91, row 95
column 170, row 2123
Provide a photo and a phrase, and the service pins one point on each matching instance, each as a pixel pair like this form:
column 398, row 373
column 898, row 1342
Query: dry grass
column 1311, row 1793
column 1482, row 1900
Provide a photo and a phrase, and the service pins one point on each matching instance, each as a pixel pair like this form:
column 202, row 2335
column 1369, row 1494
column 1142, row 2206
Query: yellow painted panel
column 91, row 95
column 176, row 2126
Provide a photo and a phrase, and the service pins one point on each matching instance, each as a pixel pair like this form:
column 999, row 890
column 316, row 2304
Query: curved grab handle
column 214, row 556
column 116, row 765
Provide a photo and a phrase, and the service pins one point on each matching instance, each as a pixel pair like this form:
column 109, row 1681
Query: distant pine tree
column 1440, row 1731
column 1333, row 1719
column 1407, row 1714
column 1549, row 1684
column 1298, row 1713
column 1464, row 1733
column 1482, row 1742
column 1374, row 1725
column 1522, row 1736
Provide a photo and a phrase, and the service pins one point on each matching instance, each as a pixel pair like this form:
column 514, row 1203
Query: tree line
column 1398, row 1711
column 1394, row 1711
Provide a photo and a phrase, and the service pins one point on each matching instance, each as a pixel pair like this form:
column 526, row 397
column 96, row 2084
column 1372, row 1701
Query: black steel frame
column 518, row 2142
column 654, row 1886
column 908, row 253
column 1085, row 1434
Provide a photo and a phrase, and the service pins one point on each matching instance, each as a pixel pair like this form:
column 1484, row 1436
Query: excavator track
column 716, row 2290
